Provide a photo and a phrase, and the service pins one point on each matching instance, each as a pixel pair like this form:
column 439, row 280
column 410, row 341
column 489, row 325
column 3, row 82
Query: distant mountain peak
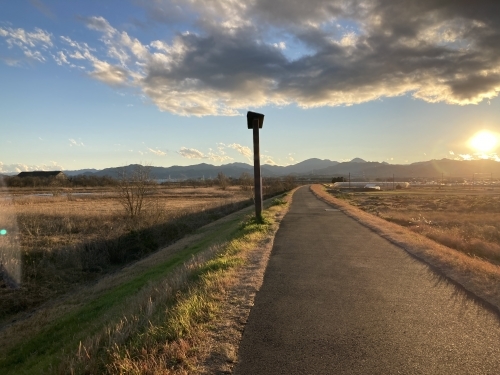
column 357, row 160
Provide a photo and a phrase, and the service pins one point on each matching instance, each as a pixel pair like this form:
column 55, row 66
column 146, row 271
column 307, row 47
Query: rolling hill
column 358, row 168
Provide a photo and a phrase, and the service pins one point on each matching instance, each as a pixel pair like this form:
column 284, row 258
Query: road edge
column 476, row 278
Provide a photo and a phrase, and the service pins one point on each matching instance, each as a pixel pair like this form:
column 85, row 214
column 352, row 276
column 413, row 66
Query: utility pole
column 255, row 122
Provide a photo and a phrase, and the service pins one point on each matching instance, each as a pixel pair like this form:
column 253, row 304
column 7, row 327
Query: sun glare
column 483, row 141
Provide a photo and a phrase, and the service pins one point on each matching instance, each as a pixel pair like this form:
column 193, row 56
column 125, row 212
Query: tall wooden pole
column 256, row 170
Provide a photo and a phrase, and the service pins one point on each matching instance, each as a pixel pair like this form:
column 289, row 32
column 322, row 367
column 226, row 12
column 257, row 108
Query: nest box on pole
column 255, row 122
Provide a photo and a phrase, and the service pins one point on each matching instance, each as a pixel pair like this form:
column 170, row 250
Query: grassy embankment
column 150, row 317
column 457, row 234
column 68, row 241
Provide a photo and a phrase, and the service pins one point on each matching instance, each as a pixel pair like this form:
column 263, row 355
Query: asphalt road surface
column 339, row 299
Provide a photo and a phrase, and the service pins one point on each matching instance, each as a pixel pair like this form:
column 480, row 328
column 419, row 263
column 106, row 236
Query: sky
column 97, row 84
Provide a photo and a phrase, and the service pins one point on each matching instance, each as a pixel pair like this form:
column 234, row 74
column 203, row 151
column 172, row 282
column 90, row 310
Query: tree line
column 245, row 181
column 72, row 181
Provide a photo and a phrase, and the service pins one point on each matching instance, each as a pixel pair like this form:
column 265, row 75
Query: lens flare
column 483, row 141
column 3, row 232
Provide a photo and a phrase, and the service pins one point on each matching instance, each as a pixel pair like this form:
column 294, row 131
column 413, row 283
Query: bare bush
column 65, row 242
column 133, row 186
column 246, row 181
column 222, row 180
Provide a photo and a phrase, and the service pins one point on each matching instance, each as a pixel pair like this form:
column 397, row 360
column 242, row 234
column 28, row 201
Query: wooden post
column 256, row 170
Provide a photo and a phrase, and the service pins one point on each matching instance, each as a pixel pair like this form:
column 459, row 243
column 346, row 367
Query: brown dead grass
column 70, row 240
column 469, row 223
column 476, row 275
column 220, row 346
column 209, row 320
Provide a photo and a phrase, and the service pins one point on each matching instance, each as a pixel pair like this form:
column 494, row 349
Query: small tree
column 246, row 181
column 222, row 180
column 133, row 185
column 290, row 182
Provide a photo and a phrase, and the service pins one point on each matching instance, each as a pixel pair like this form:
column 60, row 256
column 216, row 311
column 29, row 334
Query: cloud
column 266, row 159
column 22, row 38
column 192, row 153
column 466, row 156
column 243, row 150
column 436, row 53
column 31, row 43
column 478, row 156
column 111, row 74
column 157, row 152
column 43, row 8
column 99, row 24
column 10, row 61
column 19, row 167
column 60, row 58
column 218, row 158
column 72, row 143
column 229, row 56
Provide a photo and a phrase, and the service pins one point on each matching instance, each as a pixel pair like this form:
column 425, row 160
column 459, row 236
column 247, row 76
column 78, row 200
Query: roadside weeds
column 155, row 320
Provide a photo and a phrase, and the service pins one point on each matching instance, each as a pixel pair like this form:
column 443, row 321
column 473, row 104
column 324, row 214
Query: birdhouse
column 251, row 116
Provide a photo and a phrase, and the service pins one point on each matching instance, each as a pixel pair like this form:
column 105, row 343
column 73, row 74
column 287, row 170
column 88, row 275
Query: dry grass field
column 464, row 220
column 77, row 237
column 155, row 315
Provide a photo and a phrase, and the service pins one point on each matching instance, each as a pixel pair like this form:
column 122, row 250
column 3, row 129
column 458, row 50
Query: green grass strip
column 43, row 352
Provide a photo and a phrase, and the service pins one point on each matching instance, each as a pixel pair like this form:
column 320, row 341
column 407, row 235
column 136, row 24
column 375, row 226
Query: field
column 157, row 314
column 460, row 218
column 76, row 238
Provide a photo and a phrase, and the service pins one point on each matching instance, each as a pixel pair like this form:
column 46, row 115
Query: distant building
column 44, row 174
column 372, row 186
column 388, row 185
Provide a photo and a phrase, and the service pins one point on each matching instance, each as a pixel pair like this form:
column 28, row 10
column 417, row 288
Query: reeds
column 456, row 253
column 66, row 241
column 467, row 223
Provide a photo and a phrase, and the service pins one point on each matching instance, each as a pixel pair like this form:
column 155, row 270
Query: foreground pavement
column 339, row 299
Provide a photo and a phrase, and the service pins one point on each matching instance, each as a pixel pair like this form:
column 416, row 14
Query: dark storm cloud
column 229, row 55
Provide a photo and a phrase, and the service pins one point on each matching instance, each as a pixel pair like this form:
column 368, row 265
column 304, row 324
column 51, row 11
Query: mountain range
column 358, row 168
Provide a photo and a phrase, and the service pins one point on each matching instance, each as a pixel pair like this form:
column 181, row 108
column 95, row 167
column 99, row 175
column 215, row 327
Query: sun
column 483, row 141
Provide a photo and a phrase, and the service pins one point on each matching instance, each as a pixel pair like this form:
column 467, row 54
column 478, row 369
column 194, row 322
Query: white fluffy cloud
column 23, row 38
column 17, row 168
column 266, row 159
column 192, row 153
column 477, row 156
column 157, row 152
column 32, row 43
column 243, row 150
column 328, row 53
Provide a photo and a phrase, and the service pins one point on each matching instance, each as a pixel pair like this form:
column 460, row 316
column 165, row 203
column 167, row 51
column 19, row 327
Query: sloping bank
column 477, row 276
column 150, row 317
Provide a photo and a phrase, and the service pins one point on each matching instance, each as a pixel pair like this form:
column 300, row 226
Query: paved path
column 339, row 299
